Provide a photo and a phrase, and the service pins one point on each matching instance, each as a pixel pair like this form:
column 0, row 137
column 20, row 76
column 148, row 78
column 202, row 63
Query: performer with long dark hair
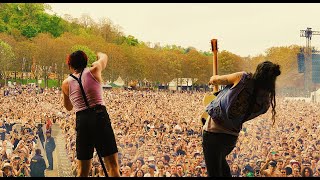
column 245, row 97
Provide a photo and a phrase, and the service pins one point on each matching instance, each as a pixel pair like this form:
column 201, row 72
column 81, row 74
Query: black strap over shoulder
column 81, row 87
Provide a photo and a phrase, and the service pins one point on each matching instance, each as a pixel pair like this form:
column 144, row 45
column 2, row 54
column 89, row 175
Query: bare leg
column 84, row 168
column 112, row 165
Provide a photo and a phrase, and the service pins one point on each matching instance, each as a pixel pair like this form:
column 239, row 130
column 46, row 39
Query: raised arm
column 233, row 78
column 102, row 61
column 99, row 65
column 263, row 168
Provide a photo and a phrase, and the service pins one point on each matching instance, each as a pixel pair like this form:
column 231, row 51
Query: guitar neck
column 215, row 60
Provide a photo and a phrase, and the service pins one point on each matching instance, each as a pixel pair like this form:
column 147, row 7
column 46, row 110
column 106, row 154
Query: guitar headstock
column 214, row 45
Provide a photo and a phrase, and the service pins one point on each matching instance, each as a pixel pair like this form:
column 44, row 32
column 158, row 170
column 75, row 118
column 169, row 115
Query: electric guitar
column 209, row 97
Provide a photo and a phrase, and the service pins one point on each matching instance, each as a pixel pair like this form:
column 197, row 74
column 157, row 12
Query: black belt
column 213, row 133
column 97, row 108
column 207, row 132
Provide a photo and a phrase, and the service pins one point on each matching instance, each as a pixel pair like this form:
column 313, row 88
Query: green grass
column 51, row 82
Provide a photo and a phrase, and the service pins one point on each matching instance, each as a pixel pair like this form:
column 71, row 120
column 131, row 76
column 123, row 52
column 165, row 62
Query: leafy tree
column 46, row 39
column 3, row 26
column 6, row 56
column 117, row 62
column 29, row 31
column 228, row 63
column 130, row 40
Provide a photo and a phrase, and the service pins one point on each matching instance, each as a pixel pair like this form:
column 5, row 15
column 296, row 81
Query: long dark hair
column 265, row 78
column 78, row 60
column 304, row 172
column 136, row 173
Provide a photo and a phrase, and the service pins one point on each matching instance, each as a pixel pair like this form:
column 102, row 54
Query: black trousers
column 216, row 146
column 42, row 140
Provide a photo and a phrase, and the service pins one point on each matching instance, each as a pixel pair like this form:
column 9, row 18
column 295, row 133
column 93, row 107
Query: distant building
column 314, row 97
column 181, row 83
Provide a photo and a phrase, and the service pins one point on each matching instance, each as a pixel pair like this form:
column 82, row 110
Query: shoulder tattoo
column 222, row 81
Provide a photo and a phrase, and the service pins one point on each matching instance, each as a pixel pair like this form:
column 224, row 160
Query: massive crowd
column 22, row 114
column 158, row 133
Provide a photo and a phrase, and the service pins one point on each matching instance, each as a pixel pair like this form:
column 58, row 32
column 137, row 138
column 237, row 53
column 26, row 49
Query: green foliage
column 90, row 53
column 6, row 57
column 56, row 26
column 206, row 53
column 6, row 54
column 30, row 19
column 228, row 63
column 29, row 31
column 3, row 26
column 130, row 40
column 51, row 83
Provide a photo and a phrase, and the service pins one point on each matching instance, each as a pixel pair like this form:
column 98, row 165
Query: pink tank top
column 92, row 89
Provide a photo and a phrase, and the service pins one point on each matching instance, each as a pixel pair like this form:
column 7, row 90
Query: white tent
column 119, row 82
column 315, row 96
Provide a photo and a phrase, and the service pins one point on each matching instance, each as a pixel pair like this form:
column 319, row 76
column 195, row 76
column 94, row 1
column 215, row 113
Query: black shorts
column 94, row 130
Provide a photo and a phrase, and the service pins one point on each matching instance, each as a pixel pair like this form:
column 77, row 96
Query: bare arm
column 233, row 78
column 263, row 168
column 102, row 61
column 66, row 101
column 99, row 66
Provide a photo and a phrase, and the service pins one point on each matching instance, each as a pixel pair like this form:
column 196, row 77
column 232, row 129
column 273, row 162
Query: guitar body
column 209, row 97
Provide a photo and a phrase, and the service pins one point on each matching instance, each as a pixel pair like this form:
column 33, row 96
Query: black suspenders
column 87, row 104
column 81, row 87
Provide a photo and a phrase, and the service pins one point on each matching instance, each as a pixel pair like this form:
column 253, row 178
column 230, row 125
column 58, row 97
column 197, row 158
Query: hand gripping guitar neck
column 209, row 97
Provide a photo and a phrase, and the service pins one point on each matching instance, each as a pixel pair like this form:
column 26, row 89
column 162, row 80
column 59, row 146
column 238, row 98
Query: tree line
column 33, row 40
